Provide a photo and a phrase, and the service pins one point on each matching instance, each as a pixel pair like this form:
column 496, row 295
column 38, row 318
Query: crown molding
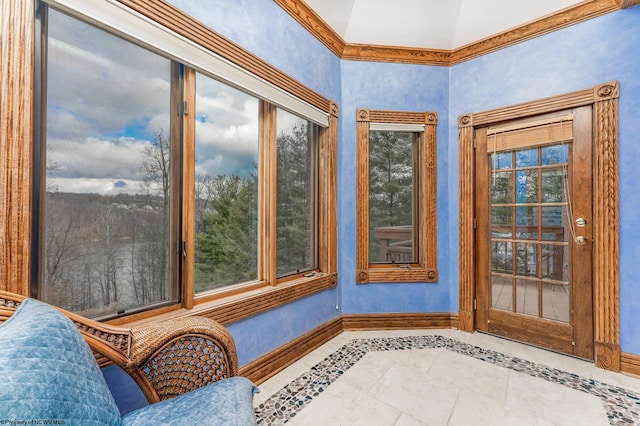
column 404, row 55
column 545, row 25
column 625, row 4
column 310, row 20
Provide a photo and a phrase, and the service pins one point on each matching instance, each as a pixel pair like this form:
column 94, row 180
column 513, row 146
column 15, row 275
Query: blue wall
column 399, row 87
column 578, row 57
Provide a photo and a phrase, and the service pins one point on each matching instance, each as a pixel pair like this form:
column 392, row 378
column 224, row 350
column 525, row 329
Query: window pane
column 107, row 207
column 296, row 195
column 391, row 189
column 502, row 187
column 226, row 185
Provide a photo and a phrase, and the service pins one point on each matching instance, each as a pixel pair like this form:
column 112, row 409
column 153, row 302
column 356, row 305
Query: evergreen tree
column 390, row 183
column 294, row 223
column 227, row 251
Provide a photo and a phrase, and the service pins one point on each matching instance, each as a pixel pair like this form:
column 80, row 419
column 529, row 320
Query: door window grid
column 529, row 238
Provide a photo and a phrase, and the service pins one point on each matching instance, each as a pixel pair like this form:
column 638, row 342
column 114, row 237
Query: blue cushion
column 48, row 372
column 228, row 402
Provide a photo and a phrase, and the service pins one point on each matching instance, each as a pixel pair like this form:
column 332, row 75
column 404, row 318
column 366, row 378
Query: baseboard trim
column 630, row 363
column 399, row 321
column 277, row 360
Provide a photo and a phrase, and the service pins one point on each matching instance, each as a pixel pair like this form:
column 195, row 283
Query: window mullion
column 268, row 180
column 188, row 135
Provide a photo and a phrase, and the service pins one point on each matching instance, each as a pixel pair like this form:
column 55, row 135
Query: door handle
column 581, row 240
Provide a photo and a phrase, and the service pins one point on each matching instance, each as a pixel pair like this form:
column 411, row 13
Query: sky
column 105, row 106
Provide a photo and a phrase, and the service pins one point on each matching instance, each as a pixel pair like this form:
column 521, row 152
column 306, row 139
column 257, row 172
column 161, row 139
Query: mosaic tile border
column 622, row 405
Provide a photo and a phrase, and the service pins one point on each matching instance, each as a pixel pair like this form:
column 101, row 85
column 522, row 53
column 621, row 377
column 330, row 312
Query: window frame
column 244, row 299
column 424, row 268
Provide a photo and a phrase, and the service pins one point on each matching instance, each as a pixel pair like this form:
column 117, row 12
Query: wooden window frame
column 425, row 268
column 244, row 301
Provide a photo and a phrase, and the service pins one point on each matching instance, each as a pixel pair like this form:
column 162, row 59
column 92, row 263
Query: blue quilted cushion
column 48, row 372
column 228, row 402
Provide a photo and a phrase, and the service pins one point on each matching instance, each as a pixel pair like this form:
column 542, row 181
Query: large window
column 160, row 184
column 396, row 227
column 106, row 217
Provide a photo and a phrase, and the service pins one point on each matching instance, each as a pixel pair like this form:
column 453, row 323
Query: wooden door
column 534, row 231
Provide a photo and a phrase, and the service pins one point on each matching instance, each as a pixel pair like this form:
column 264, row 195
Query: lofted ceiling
column 430, row 24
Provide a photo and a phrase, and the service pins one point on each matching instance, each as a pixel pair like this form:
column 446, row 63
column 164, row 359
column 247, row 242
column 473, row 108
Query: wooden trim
column 625, row 4
column 606, row 228
column 550, row 23
column 188, row 188
column 528, row 109
column 630, row 363
column 238, row 306
column 309, row 19
column 312, row 22
column 178, row 21
column 466, row 240
column 16, row 133
column 604, row 99
column 233, row 309
column 261, row 369
column 267, row 201
column 397, row 54
column 328, row 194
column 399, row 321
column 277, row 360
column 425, row 269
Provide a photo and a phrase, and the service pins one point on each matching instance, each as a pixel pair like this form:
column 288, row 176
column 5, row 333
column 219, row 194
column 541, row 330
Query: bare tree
column 106, row 221
column 205, row 192
column 156, row 168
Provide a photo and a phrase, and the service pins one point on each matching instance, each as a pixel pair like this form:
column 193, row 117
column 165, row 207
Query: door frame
column 606, row 275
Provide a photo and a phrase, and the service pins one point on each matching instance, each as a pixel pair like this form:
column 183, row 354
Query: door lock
column 581, row 222
column 581, row 240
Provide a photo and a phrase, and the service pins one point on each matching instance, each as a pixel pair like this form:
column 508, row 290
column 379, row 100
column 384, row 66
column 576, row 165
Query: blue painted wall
column 593, row 52
column 590, row 53
column 399, row 87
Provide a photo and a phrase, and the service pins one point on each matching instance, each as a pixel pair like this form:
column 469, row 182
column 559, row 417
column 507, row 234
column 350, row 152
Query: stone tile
column 426, row 399
column 471, row 374
column 395, row 378
column 407, row 420
column 554, row 402
column 342, row 404
column 478, row 410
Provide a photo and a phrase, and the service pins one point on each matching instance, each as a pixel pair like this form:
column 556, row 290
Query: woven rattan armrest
column 166, row 358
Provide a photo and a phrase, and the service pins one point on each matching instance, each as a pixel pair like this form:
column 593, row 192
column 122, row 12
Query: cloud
column 97, row 186
column 106, row 100
column 227, row 129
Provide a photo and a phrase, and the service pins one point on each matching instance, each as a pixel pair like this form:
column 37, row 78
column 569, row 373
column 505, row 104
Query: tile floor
column 444, row 377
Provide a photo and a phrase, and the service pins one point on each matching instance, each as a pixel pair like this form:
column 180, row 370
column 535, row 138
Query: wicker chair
column 166, row 359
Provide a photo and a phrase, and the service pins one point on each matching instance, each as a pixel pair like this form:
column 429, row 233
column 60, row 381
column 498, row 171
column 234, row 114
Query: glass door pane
column 530, row 232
